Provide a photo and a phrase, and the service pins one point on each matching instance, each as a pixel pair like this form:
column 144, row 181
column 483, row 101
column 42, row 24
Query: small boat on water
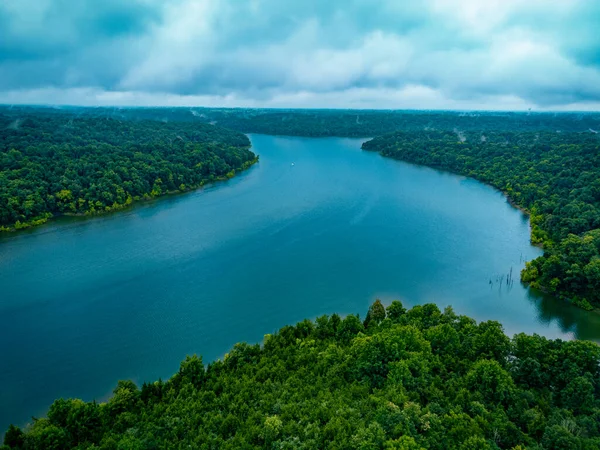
column 293, row 164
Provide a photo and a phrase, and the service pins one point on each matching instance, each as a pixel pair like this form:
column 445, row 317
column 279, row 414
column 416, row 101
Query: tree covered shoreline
column 60, row 164
column 54, row 162
column 554, row 177
column 411, row 380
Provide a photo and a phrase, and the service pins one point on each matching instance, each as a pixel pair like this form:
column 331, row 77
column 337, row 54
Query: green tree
column 402, row 443
column 14, row 437
column 395, row 310
column 376, row 313
column 491, row 381
column 559, row 438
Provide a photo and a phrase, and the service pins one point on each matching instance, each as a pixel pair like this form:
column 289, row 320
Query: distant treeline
column 410, row 380
column 59, row 163
column 554, row 176
column 349, row 123
column 342, row 123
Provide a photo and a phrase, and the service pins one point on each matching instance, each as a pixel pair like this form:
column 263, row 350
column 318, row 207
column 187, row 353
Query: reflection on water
column 571, row 320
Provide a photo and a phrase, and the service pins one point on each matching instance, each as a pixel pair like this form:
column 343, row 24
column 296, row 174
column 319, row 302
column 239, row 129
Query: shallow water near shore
column 316, row 227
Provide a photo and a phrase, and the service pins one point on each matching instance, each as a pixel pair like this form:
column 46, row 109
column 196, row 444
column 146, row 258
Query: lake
column 317, row 227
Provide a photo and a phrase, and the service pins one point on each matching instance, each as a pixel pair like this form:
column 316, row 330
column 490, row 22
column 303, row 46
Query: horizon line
column 440, row 110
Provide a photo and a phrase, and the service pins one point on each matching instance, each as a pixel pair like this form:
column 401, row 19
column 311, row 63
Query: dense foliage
column 357, row 123
column 60, row 164
column 341, row 123
column 417, row 379
column 554, row 176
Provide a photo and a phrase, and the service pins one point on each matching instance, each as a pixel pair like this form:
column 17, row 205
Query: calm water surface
column 84, row 303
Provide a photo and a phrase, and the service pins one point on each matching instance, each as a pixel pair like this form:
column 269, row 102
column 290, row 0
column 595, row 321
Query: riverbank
column 540, row 287
column 528, row 171
column 131, row 201
column 396, row 363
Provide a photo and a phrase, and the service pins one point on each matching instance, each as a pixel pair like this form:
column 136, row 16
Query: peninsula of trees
column 554, row 176
column 410, row 380
column 58, row 163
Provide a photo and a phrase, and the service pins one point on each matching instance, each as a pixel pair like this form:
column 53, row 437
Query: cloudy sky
column 446, row 54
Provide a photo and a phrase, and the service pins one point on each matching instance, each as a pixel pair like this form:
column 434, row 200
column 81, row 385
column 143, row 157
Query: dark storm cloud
column 69, row 43
column 42, row 29
column 437, row 53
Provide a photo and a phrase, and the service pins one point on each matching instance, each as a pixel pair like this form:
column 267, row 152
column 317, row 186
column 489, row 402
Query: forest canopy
column 332, row 122
column 554, row 176
column 411, row 380
column 58, row 163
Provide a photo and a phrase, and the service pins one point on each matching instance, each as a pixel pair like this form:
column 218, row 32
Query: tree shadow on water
column 571, row 319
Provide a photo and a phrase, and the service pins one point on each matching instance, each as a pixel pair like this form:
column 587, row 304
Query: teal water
column 84, row 303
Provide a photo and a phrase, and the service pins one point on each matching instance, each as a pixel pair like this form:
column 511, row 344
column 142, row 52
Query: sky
column 383, row 54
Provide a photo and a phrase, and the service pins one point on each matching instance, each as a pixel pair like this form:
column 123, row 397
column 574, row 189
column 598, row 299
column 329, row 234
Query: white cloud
column 482, row 17
column 378, row 58
column 177, row 46
column 408, row 97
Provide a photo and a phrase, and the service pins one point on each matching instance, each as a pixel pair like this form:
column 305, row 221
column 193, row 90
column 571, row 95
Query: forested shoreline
column 86, row 161
column 416, row 379
column 330, row 122
column 555, row 177
column 62, row 164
